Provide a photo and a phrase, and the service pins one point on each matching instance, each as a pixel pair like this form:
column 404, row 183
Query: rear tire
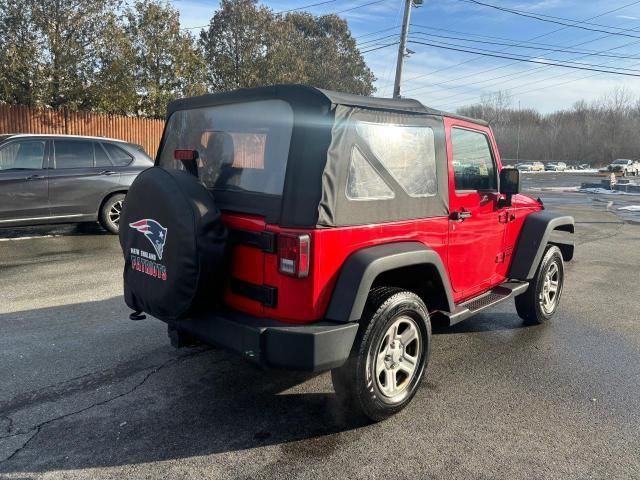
column 389, row 356
column 111, row 211
column 540, row 302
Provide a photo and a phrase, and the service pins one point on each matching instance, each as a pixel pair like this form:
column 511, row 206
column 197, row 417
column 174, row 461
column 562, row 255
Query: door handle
column 460, row 215
column 107, row 172
column 34, row 177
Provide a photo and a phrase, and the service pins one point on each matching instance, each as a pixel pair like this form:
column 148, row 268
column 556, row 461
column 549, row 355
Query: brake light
column 294, row 254
column 185, row 154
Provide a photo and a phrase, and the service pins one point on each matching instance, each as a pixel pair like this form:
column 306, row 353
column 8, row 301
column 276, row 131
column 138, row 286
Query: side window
column 407, row 152
column 363, row 182
column 25, row 155
column 473, row 164
column 73, row 154
column 119, row 157
column 102, row 160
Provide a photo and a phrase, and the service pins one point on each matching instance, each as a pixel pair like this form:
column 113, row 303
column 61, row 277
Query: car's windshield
column 241, row 147
column 621, row 162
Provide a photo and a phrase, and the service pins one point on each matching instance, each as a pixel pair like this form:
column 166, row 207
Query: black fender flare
column 533, row 240
column 362, row 267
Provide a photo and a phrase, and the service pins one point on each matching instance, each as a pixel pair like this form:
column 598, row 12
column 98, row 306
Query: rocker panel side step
column 487, row 300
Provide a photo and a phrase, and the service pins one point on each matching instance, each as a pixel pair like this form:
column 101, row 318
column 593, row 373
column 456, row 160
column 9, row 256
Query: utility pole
column 402, row 50
column 518, row 147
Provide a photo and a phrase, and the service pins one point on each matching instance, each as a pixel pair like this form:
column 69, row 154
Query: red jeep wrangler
column 316, row 230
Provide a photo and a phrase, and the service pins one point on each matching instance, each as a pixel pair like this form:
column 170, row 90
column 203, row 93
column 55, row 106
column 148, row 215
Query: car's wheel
column 541, row 300
column 111, row 211
column 389, row 355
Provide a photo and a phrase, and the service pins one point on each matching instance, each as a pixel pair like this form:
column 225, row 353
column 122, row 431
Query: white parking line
column 26, row 238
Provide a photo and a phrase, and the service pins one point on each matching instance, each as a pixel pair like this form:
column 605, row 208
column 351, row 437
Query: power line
column 304, row 7
column 356, row 7
column 530, row 39
column 307, row 6
column 483, row 50
column 469, row 100
column 377, row 40
column 558, row 84
column 380, row 47
column 528, row 72
column 377, row 31
column 550, row 19
column 537, row 81
column 548, row 48
column 516, row 75
column 529, row 60
column 515, row 41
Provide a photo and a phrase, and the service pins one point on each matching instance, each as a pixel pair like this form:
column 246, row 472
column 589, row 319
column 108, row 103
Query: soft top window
column 241, row 146
column 407, row 152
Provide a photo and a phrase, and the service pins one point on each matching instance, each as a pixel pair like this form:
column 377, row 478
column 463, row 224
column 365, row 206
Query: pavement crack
column 38, row 428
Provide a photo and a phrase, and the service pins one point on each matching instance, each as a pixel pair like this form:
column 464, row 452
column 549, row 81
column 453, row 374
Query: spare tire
column 174, row 242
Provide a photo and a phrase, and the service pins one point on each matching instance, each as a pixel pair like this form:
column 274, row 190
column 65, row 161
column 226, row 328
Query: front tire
column 110, row 213
column 540, row 302
column 389, row 356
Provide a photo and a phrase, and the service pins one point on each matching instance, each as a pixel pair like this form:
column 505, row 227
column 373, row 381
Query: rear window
column 241, row 147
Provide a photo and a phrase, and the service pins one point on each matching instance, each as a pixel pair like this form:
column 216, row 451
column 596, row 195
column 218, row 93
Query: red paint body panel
column 476, row 251
column 304, row 300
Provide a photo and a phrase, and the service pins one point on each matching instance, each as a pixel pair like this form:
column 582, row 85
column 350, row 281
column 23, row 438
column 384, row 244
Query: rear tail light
column 294, row 254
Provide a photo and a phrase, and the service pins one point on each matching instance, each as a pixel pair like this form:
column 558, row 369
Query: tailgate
column 249, row 242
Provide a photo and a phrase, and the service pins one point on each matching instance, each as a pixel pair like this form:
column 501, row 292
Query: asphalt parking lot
column 87, row 393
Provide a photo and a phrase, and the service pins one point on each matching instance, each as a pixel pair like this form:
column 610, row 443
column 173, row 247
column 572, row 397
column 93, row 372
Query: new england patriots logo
column 155, row 233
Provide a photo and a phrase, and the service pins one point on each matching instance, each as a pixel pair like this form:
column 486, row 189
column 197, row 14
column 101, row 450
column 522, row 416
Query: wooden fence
column 22, row 119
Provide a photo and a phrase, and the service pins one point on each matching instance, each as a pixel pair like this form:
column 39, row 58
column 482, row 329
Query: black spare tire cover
column 173, row 241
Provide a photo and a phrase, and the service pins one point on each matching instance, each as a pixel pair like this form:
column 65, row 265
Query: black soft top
column 322, row 140
column 306, row 95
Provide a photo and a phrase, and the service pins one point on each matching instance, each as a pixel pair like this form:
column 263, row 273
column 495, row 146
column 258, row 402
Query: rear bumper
column 312, row 347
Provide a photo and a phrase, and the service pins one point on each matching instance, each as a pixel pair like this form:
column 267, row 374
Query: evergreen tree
column 167, row 64
column 21, row 77
column 247, row 45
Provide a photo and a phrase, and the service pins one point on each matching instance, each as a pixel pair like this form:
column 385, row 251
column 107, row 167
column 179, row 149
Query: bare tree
column 592, row 133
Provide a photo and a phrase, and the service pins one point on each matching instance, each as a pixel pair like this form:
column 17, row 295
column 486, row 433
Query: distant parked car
column 47, row 179
column 537, row 167
column 624, row 167
column 584, row 166
column 555, row 167
column 524, row 167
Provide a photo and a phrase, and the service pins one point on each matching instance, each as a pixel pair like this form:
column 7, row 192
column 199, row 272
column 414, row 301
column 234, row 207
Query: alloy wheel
column 397, row 357
column 550, row 290
column 114, row 213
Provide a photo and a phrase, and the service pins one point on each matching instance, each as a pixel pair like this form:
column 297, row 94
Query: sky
column 448, row 79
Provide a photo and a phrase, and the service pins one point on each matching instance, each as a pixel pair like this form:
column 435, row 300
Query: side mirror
column 509, row 184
